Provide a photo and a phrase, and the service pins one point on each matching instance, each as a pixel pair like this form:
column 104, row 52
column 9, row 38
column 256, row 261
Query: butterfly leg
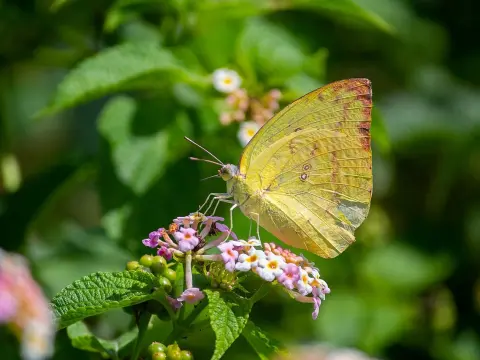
column 216, row 196
column 228, row 201
column 258, row 224
column 231, row 219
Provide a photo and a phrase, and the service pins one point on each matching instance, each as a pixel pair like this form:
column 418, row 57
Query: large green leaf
column 228, row 317
column 100, row 292
column 360, row 11
column 111, row 70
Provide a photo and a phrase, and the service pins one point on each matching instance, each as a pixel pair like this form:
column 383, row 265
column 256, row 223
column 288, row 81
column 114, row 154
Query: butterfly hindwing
column 312, row 165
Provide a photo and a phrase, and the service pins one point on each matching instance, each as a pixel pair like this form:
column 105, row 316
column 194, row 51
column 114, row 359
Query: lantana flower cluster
column 24, row 308
column 239, row 106
column 186, row 241
column 275, row 264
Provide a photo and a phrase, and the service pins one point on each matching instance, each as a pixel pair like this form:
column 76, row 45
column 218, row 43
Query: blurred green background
column 96, row 96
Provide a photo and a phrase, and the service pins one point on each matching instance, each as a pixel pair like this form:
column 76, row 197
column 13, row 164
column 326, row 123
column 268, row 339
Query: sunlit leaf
column 100, row 292
column 109, row 71
column 228, row 317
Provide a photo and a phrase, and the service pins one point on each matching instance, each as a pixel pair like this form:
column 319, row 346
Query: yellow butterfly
column 306, row 176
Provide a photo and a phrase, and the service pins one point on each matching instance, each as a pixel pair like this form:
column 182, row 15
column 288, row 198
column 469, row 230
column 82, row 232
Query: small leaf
column 100, row 292
column 110, row 70
column 228, row 316
column 82, row 338
column 263, row 344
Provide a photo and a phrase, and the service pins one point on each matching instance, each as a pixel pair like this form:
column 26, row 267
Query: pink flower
column 316, row 307
column 191, row 296
column 8, row 303
column 186, row 239
column 229, row 255
column 174, row 303
column 153, row 239
column 166, row 252
column 290, row 276
column 224, row 229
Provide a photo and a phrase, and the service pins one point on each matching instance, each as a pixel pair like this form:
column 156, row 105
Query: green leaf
column 263, row 344
column 82, row 338
column 277, row 53
column 360, row 11
column 140, row 160
column 100, row 292
column 228, row 316
column 109, row 71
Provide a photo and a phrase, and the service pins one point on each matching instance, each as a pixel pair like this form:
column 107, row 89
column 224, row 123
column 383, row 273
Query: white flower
column 226, row 80
column 249, row 261
column 271, row 267
column 253, row 241
column 246, row 132
column 303, row 285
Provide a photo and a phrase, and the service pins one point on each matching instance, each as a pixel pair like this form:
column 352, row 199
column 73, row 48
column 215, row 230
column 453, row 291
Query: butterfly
column 306, row 175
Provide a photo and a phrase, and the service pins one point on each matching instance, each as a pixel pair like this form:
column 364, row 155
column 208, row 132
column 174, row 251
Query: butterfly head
column 228, row 171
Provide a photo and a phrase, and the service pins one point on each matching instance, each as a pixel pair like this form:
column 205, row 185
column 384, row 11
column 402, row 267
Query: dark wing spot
column 303, row 177
column 297, row 129
column 307, row 167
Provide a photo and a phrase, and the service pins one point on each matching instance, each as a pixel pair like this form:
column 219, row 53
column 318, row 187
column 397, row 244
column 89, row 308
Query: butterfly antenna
column 208, row 152
column 209, row 177
column 209, row 161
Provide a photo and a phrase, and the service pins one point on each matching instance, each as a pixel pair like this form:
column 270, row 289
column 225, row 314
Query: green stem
column 260, row 293
column 142, row 323
column 183, row 325
column 161, row 297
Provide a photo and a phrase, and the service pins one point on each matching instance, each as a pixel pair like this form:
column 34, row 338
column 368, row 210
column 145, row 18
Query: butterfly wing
column 311, row 164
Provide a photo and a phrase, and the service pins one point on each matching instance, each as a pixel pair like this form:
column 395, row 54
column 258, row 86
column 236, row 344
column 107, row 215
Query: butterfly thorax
column 237, row 185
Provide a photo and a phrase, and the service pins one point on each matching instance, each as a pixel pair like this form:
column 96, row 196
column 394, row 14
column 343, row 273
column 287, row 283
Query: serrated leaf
column 109, row 71
column 228, row 316
column 262, row 343
column 100, row 292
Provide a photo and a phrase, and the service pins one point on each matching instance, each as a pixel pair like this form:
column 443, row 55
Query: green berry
column 186, row 355
column 159, row 264
column 156, row 347
column 173, row 352
column 164, row 283
column 159, row 356
column 146, row 260
column 170, row 274
column 132, row 265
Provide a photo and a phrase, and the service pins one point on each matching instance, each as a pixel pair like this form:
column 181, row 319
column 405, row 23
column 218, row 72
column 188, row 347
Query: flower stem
column 183, row 325
column 142, row 323
column 188, row 270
